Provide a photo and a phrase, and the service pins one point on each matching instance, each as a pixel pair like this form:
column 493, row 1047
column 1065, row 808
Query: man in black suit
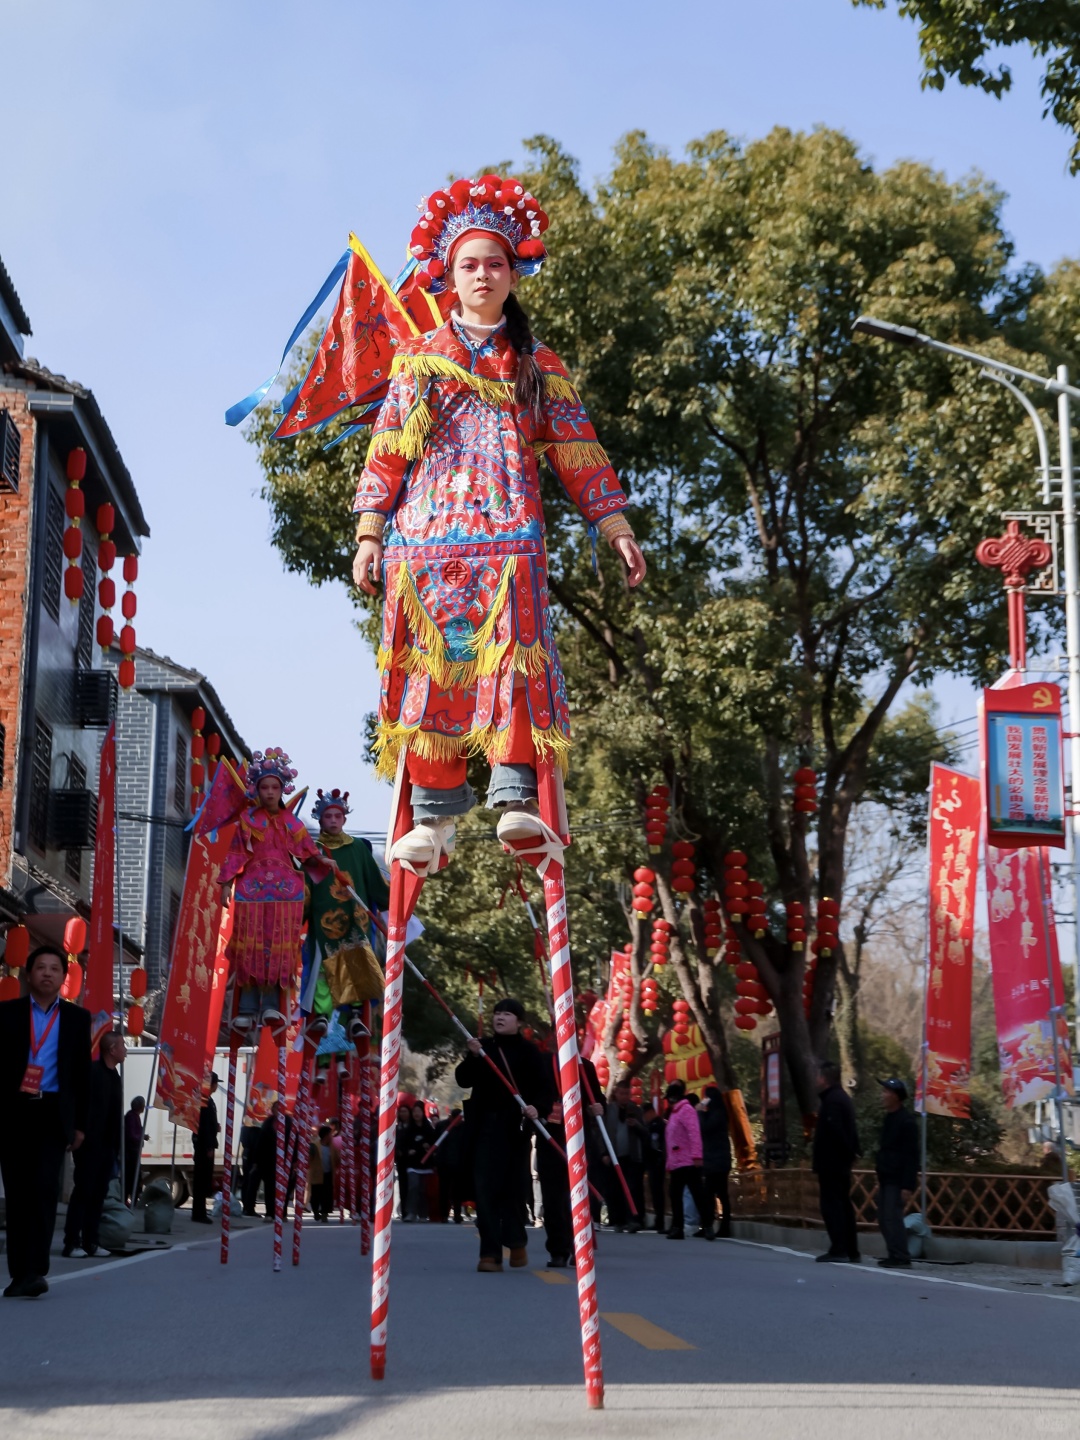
column 98, row 1157
column 206, row 1138
column 44, row 1102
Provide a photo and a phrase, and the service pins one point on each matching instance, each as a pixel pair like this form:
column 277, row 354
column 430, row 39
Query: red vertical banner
column 1019, row 946
column 101, row 960
column 184, row 1049
column 219, row 984
column 955, row 819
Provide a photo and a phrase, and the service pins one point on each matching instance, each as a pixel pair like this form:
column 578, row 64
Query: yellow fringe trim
column 575, row 454
column 442, row 749
column 482, row 638
column 495, row 392
column 408, row 440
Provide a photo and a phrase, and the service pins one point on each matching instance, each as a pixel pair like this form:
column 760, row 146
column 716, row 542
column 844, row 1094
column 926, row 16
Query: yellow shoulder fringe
column 573, row 454
column 428, row 655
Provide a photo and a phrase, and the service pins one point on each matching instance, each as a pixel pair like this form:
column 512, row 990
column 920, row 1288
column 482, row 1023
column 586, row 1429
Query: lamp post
column 1059, row 386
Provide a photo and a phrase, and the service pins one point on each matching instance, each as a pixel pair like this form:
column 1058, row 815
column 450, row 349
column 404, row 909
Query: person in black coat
column 500, row 1135
column 98, row 1157
column 836, row 1145
column 448, row 1166
column 551, row 1168
column 266, row 1160
column 44, row 1104
column 656, row 1163
column 715, row 1158
column 204, row 1149
column 897, row 1171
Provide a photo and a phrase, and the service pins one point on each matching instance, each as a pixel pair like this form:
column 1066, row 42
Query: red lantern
column 683, row 850
column 73, row 583
column 105, row 632
column 17, row 947
column 72, row 543
column 107, row 593
column 106, row 521
column 135, row 1020
column 131, row 569
column 72, row 985
column 76, row 465
column 75, row 935
column 127, row 640
column 128, row 605
column 138, row 982
column 213, row 743
column 126, row 674
column 745, row 1006
column 745, row 1022
column 198, row 746
column 9, row 987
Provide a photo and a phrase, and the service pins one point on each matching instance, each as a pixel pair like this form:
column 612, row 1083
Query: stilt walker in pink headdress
column 450, row 518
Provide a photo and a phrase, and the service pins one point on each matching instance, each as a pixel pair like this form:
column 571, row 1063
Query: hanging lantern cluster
column 757, row 916
column 603, row 1071
column 683, row 868
column 75, row 509
column 735, row 887
column 198, row 750
column 106, row 520
column 828, row 927
column 661, row 942
column 681, row 1020
column 637, row 1094
column 649, row 995
column 714, row 926
column 804, row 799
column 796, row 925
column 74, row 945
column 127, row 634
column 751, row 998
column 16, row 950
column 644, row 891
column 732, row 947
column 656, row 817
column 625, row 1044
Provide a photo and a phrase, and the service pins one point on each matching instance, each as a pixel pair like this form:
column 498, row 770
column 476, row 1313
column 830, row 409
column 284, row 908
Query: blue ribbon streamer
column 243, row 408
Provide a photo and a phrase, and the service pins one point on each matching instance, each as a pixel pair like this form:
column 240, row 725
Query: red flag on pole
column 101, row 959
column 955, row 818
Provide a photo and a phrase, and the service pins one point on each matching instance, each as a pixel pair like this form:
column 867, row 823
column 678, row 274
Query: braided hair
column 529, row 385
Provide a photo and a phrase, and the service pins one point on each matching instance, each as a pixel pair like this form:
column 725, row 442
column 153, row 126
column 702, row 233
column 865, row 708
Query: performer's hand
column 367, row 567
column 474, row 1047
column 596, row 1111
column 531, row 1111
column 226, row 893
column 630, row 551
column 79, row 1138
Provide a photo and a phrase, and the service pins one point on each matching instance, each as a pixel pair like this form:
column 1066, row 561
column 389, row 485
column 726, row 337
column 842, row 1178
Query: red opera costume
column 453, row 466
column 268, row 894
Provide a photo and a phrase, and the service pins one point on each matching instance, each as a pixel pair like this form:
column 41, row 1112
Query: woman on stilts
column 450, row 514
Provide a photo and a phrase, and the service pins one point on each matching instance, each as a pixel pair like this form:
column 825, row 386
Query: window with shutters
column 40, row 776
column 174, row 918
column 53, row 559
column 10, row 452
column 76, row 781
column 180, row 774
column 85, row 652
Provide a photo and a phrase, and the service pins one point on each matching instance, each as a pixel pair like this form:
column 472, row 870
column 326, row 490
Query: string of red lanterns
column 74, row 945
column 106, row 521
column 127, row 634
column 714, row 926
column 804, row 797
column 657, row 804
column 681, row 1020
column 16, row 950
column 649, row 995
column 75, row 509
column 735, row 887
column 644, row 891
column 796, row 925
column 661, row 941
column 683, row 868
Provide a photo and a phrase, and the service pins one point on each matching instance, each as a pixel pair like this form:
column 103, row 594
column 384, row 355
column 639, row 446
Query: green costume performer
column 340, row 968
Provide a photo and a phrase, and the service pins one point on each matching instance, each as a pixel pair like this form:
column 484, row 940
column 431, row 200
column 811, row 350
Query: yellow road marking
column 644, row 1331
column 552, row 1277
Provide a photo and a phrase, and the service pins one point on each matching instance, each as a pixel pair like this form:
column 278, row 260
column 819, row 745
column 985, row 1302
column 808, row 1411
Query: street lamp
column 1059, row 386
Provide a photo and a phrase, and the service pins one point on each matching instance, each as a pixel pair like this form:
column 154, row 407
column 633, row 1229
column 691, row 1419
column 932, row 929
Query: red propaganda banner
column 955, row 819
column 101, row 960
column 220, row 982
column 1019, row 949
column 1025, row 786
column 184, row 1050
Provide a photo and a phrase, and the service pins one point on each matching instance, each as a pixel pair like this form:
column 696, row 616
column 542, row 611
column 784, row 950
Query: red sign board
column 1023, row 767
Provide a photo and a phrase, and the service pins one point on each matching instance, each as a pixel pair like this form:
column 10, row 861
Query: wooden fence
column 978, row 1205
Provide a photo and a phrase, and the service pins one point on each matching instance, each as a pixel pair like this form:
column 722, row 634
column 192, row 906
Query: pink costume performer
column 263, row 865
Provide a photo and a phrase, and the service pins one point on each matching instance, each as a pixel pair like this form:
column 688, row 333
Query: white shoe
column 423, row 850
column 521, row 832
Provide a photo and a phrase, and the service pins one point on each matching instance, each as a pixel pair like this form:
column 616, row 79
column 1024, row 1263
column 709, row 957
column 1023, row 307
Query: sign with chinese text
column 1025, row 790
column 955, row 815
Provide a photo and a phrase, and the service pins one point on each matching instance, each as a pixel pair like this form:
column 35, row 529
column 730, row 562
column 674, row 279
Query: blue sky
column 179, row 179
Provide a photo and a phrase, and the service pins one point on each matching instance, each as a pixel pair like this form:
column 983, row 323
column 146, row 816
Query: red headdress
column 503, row 208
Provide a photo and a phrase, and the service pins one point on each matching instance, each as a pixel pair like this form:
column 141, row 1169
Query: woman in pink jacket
column 684, row 1157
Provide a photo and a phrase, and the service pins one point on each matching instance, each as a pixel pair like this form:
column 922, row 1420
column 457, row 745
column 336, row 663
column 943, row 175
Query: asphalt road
column 727, row 1339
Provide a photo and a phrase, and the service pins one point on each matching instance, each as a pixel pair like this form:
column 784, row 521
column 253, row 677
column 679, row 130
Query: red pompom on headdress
column 503, row 208
column 330, row 800
column 276, row 763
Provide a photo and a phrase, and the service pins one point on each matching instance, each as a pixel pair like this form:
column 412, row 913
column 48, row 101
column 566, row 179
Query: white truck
column 167, row 1148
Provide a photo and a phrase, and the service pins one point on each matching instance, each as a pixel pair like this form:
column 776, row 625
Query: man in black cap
column 206, row 1138
column 897, row 1171
column 500, row 1137
column 836, row 1145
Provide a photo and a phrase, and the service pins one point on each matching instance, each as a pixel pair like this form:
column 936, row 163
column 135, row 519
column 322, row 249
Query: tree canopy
column 957, row 38
column 809, row 503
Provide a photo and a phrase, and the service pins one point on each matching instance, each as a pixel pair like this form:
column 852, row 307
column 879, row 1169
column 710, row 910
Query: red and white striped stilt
column 226, row 1177
column 349, row 1138
column 552, row 812
column 364, row 1158
column 404, row 891
column 281, row 1169
column 302, row 1147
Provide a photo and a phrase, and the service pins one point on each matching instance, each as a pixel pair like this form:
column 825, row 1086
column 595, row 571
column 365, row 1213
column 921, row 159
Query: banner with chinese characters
column 955, row 816
column 1025, row 787
column 1023, row 955
column 184, row 1058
